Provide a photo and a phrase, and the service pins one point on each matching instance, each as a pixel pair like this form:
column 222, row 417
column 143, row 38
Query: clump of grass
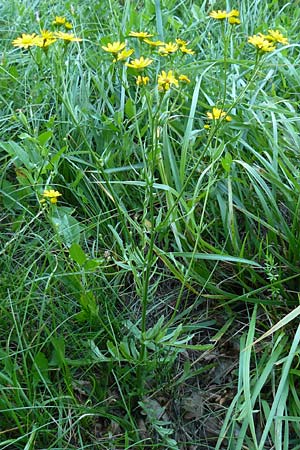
column 149, row 178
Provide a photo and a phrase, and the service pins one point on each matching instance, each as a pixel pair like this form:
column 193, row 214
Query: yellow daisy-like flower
column 234, row 21
column 45, row 39
column 114, row 47
column 181, row 42
column 25, row 41
column 165, row 80
column 124, row 54
column 168, row 48
column 186, row 50
column 68, row 25
column 142, row 80
column 218, row 15
column 59, row 20
column 154, row 43
column 67, row 37
column 184, row 78
column 51, row 194
column 233, row 13
column 140, row 63
column 261, row 43
column 277, row 36
column 217, row 114
column 140, row 34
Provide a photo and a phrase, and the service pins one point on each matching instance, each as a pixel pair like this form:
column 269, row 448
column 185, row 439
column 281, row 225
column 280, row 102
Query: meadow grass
column 149, row 227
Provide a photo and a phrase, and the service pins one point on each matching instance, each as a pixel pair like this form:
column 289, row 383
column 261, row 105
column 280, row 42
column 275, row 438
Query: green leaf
column 77, row 254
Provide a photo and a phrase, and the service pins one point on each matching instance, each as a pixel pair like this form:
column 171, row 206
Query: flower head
column 181, row 42
column 154, row 43
column 234, row 21
column 140, row 63
column 261, row 43
column 114, row 47
column 218, row 15
column 25, row 41
column 59, row 20
column 233, row 13
column 184, row 78
column 45, row 39
column 168, row 48
column 165, row 80
column 217, row 114
column 67, row 37
column 276, row 36
column 68, row 25
column 124, row 54
column 140, row 34
column 51, row 194
column 142, row 80
column 186, row 50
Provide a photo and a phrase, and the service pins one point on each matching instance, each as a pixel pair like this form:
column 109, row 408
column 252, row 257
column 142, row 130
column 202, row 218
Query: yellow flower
column 59, row 20
column 234, row 21
column 140, row 63
column 186, row 50
column 233, row 13
column 140, row 34
column 68, row 25
column 181, row 42
column 142, row 80
column 168, row 48
column 51, row 194
column 165, row 80
column 219, row 15
column 276, row 36
column 67, row 37
column 45, row 39
column 261, row 43
column 115, row 47
column 124, row 54
column 25, row 41
column 154, row 43
column 184, row 78
column 218, row 114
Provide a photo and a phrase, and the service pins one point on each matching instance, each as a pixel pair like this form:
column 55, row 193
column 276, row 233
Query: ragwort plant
column 136, row 159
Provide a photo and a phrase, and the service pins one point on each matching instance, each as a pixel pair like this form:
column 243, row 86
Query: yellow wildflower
column 234, row 21
column 25, row 41
column 219, row 15
column 140, row 34
column 276, row 36
column 45, row 39
column 218, row 114
column 171, row 47
column 181, row 42
column 140, row 63
column 184, row 78
column 233, row 13
column 154, row 43
column 186, row 50
column 124, row 54
column 142, row 80
column 51, row 194
column 165, row 80
column 67, row 37
column 261, row 43
column 59, row 20
column 115, row 47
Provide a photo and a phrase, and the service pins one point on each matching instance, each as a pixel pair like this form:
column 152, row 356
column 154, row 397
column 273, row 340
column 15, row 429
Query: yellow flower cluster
column 43, row 40
column 232, row 16
column 267, row 42
column 62, row 21
column 51, row 195
column 217, row 114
